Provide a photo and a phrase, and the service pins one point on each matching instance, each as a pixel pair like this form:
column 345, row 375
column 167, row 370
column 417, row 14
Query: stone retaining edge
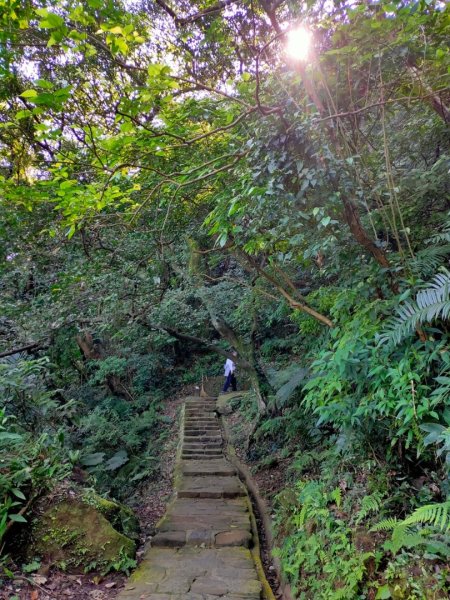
column 177, row 472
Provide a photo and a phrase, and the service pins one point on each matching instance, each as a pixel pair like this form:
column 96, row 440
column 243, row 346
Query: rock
column 121, row 517
column 77, row 534
column 223, row 407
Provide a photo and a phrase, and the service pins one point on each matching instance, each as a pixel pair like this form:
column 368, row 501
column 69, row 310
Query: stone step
column 200, row 416
column 209, row 453
column 201, row 456
column 205, row 522
column 199, row 442
column 203, row 441
column 211, row 433
column 208, row 416
column 203, row 432
column 205, row 446
column 205, row 538
column 210, row 487
column 201, row 422
column 192, row 573
column 200, row 439
column 218, row 468
column 195, row 424
column 202, row 448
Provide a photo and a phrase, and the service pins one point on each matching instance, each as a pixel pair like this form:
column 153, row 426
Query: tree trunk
column 90, row 349
column 359, row 233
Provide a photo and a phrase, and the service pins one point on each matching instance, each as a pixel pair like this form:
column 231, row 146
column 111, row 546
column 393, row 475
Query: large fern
column 411, row 532
column 285, row 392
column 431, row 304
column 433, row 514
column 443, row 237
column 427, row 261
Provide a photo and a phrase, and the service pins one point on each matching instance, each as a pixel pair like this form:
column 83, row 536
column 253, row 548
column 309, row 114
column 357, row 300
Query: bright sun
column 299, row 43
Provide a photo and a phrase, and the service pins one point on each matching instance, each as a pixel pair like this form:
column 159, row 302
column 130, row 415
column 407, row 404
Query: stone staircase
column 201, row 550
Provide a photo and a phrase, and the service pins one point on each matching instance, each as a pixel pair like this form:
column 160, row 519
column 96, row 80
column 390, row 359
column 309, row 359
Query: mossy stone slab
column 75, row 535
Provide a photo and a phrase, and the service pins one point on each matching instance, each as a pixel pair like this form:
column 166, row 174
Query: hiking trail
column 202, row 548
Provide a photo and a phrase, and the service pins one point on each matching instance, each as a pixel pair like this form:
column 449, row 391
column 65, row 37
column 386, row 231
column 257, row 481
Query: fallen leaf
column 34, row 595
column 40, row 579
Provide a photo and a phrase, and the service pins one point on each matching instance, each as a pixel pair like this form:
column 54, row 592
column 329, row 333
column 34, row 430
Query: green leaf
column 12, row 437
column 92, row 460
column 17, row 518
column 23, row 114
column 116, row 461
column 383, row 593
column 29, row 94
column 18, row 494
column 51, row 21
column 43, row 83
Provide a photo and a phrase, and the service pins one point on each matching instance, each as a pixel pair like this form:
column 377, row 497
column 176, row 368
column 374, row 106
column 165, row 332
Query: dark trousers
column 230, row 380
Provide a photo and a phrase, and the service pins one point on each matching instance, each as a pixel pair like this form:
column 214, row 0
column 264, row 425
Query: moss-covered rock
column 224, row 402
column 121, row 517
column 76, row 535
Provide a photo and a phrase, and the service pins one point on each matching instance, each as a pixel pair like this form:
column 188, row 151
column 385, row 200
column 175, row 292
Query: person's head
column 234, row 353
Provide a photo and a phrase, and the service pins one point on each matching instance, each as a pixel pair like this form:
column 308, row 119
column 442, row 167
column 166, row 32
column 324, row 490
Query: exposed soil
column 149, row 506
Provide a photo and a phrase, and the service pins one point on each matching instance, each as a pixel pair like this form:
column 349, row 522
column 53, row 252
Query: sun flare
column 299, row 43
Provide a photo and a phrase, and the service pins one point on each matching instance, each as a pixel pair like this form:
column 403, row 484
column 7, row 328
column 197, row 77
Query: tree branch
column 205, row 12
column 32, row 346
column 184, row 337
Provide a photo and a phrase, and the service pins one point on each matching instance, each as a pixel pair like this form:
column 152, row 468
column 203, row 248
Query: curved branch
column 185, row 337
column 26, row 348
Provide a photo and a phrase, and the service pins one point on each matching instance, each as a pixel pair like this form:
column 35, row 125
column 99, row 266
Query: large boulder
column 80, row 531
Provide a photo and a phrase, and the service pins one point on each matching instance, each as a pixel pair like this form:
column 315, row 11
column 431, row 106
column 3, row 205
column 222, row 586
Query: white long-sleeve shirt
column 230, row 367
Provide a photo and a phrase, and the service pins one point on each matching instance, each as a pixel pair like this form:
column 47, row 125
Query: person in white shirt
column 230, row 370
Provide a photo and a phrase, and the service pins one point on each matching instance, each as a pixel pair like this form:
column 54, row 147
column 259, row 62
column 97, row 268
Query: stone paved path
column 201, row 549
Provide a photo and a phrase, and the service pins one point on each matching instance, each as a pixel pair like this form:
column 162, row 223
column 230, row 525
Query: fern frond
column 410, row 532
column 285, row 392
column 429, row 259
column 431, row 304
column 14, row 359
column 385, row 525
column 369, row 504
column 434, row 514
column 442, row 237
column 336, row 495
column 408, row 540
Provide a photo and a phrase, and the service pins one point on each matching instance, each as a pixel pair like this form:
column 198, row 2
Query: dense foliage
column 174, row 185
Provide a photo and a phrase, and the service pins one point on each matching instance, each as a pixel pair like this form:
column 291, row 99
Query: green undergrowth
column 329, row 537
column 356, row 437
